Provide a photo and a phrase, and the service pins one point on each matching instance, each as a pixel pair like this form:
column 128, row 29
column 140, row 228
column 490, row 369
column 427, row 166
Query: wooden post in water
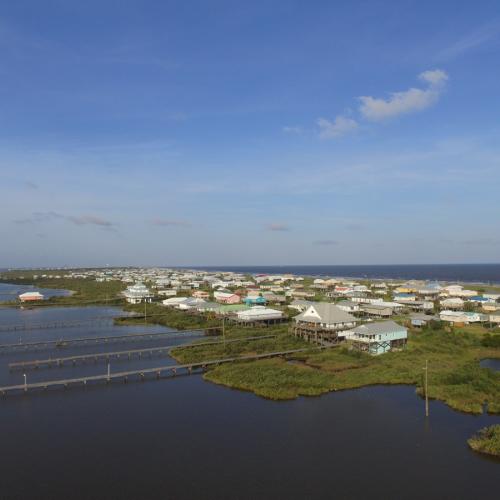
column 426, row 389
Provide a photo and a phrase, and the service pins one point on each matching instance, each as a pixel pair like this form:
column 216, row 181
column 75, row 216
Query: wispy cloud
column 340, row 126
column 78, row 220
column 293, row 130
column 277, row 227
column 408, row 101
column 481, row 241
column 325, row 242
column 30, row 185
column 82, row 220
column 482, row 36
column 171, row 222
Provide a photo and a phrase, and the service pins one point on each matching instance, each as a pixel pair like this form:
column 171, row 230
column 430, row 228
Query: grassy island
column 487, row 441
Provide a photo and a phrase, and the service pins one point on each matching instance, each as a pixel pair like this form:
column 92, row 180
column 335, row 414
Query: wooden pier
column 98, row 340
column 128, row 354
column 169, row 370
column 50, row 325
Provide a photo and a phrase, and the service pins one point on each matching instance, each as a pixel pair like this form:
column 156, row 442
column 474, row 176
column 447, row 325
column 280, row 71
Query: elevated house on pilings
column 377, row 338
column 322, row 323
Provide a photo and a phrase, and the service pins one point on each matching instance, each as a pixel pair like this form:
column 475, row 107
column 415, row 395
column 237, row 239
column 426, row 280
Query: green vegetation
column 85, row 291
column 453, row 354
column 455, row 376
column 491, row 340
column 487, row 441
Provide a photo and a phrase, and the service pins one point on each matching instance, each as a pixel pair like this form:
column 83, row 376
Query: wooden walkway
column 63, row 324
column 96, row 340
column 49, row 362
column 171, row 370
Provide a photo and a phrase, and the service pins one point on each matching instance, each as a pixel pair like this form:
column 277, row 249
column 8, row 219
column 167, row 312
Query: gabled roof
column 328, row 314
column 378, row 328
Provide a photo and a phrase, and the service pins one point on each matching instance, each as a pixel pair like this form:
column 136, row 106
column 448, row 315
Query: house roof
column 328, row 314
column 378, row 328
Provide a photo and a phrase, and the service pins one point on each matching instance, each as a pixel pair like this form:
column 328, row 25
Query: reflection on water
column 184, row 438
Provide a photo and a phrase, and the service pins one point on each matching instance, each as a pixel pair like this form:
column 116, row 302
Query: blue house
column 377, row 338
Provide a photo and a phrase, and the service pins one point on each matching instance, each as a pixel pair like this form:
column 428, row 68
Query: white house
column 174, row 301
column 135, row 294
column 452, row 303
column 326, row 315
column 259, row 313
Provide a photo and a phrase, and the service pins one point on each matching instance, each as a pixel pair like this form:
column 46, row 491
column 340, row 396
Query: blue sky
column 266, row 132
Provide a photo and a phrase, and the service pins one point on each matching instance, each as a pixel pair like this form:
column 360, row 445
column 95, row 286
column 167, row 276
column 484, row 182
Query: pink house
column 227, row 298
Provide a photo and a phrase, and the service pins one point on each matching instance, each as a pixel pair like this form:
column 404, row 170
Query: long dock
column 171, row 370
column 50, row 325
column 95, row 340
column 59, row 361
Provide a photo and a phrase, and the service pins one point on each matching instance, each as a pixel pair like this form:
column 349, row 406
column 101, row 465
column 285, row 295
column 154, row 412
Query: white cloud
column 408, row 101
column 340, row 126
column 292, row 130
column 434, row 77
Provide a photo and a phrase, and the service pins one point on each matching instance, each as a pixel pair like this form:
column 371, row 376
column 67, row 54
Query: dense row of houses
column 323, row 310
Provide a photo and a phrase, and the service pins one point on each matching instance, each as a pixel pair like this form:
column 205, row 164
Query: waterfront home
column 321, row 322
column 135, row 294
column 255, row 300
column 300, row 305
column 377, row 338
column 458, row 291
column 492, row 296
column 462, row 317
column 404, row 297
column 348, row 306
column 274, row 298
column 226, row 297
column 174, row 301
column 452, row 303
column 478, row 299
column 201, row 294
column 190, row 303
column 421, row 319
column 259, row 314
column 167, row 293
column 494, row 318
column 377, row 310
column 490, row 307
column 30, row 297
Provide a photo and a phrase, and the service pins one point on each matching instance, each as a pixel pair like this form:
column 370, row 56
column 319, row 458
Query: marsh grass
column 486, row 441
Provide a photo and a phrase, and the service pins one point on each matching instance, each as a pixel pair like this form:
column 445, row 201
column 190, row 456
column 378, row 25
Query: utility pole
column 145, row 313
column 426, row 369
column 109, row 371
column 224, row 330
column 25, row 383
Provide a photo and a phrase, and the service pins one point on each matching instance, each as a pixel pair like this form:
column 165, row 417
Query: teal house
column 377, row 338
column 255, row 301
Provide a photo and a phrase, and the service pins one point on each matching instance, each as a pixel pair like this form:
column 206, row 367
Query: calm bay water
column 482, row 273
column 10, row 292
column 184, row 438
column 493, row 364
